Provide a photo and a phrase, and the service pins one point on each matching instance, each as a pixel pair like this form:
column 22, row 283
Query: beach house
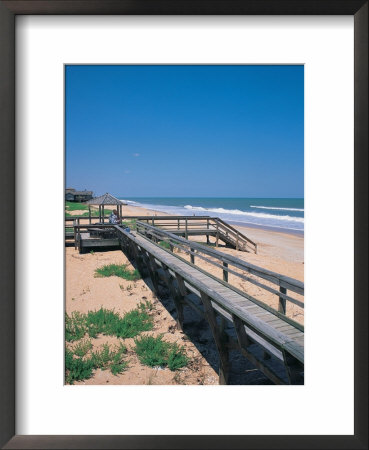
column 71, row 195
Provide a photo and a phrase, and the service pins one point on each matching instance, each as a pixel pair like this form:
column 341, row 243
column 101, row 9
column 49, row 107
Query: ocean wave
column 279, row 209
column 130, row 202
column 238, row 212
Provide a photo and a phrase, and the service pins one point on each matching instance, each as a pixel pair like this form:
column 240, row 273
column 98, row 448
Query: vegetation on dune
column 118, row 271
column 108, row 322
column 79, row 366
column 75, row 326
column 112, row 359
column 76, row 368
column 74, row 206
column 82, row 348
column 154, row 351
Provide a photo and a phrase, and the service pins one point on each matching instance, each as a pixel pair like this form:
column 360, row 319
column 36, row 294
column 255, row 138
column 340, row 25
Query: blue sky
column 186, row 131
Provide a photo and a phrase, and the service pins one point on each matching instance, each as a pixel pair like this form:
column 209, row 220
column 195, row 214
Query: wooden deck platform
column 86, row 242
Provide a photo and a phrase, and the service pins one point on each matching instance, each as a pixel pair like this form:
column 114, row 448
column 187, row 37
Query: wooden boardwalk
column 185, row 226
column 203, row 226
column 274, row 346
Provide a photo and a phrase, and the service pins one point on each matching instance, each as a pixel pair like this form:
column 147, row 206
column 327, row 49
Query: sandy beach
column 279, row 252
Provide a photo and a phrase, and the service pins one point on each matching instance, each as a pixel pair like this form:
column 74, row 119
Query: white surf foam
column 279, row 209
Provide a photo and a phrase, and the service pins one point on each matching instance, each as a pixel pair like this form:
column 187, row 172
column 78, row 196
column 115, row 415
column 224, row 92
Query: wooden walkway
column 273, row 345
column 180, row 225
column 203, row 226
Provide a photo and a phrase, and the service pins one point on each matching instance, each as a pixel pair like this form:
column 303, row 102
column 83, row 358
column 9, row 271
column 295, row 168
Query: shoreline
column 266, row 228
column 275, row 248
column 231, row 222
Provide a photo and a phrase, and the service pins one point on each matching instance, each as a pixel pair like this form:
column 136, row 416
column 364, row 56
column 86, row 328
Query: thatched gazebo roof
column 106, row 199
column 103, row 200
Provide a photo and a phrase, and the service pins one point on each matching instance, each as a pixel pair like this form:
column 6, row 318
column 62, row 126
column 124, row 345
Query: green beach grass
column 154, row 351
column 121, row 271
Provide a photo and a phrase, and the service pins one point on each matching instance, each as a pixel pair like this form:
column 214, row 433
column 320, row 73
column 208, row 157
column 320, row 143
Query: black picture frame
column 8, row 12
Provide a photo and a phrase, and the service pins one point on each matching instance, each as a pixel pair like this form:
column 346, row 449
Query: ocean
column 280, row 214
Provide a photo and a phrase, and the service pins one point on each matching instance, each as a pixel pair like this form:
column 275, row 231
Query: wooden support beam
column 89, row 214
column 176, row 295
column 282, row 301
column 152, row 274
column 225, row 272
column 138, row 258
column 219, row 341
column 192, row 255
column 75, row 235
column 181, row 286
column 243, row 340
column 294, row 368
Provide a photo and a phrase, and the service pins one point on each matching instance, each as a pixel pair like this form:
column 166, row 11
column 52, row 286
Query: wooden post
column 186, row 233
column 282, row 301
column 154, row 268
column 138, row 257
column 192, row 256
column 89, row 214
column 225, row 272
column 153, row 277
column 103, row 213
column 219, row 341
column 178, row 224
column 176, row 295
column 243, row 340
column 294, row 368
column 152, row 221
column 99, row 213
column 75, row 234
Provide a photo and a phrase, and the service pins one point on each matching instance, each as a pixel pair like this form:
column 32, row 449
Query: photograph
column 184, row 224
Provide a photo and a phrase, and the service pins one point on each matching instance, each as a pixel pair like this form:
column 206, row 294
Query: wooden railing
column 187, row 224
column 228, row 264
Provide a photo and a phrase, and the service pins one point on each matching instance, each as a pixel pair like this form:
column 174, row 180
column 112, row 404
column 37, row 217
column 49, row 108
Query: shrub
column 154, row 351
column 75, row 326
column 118, row 271
column 82, row 348
column 77, row 369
